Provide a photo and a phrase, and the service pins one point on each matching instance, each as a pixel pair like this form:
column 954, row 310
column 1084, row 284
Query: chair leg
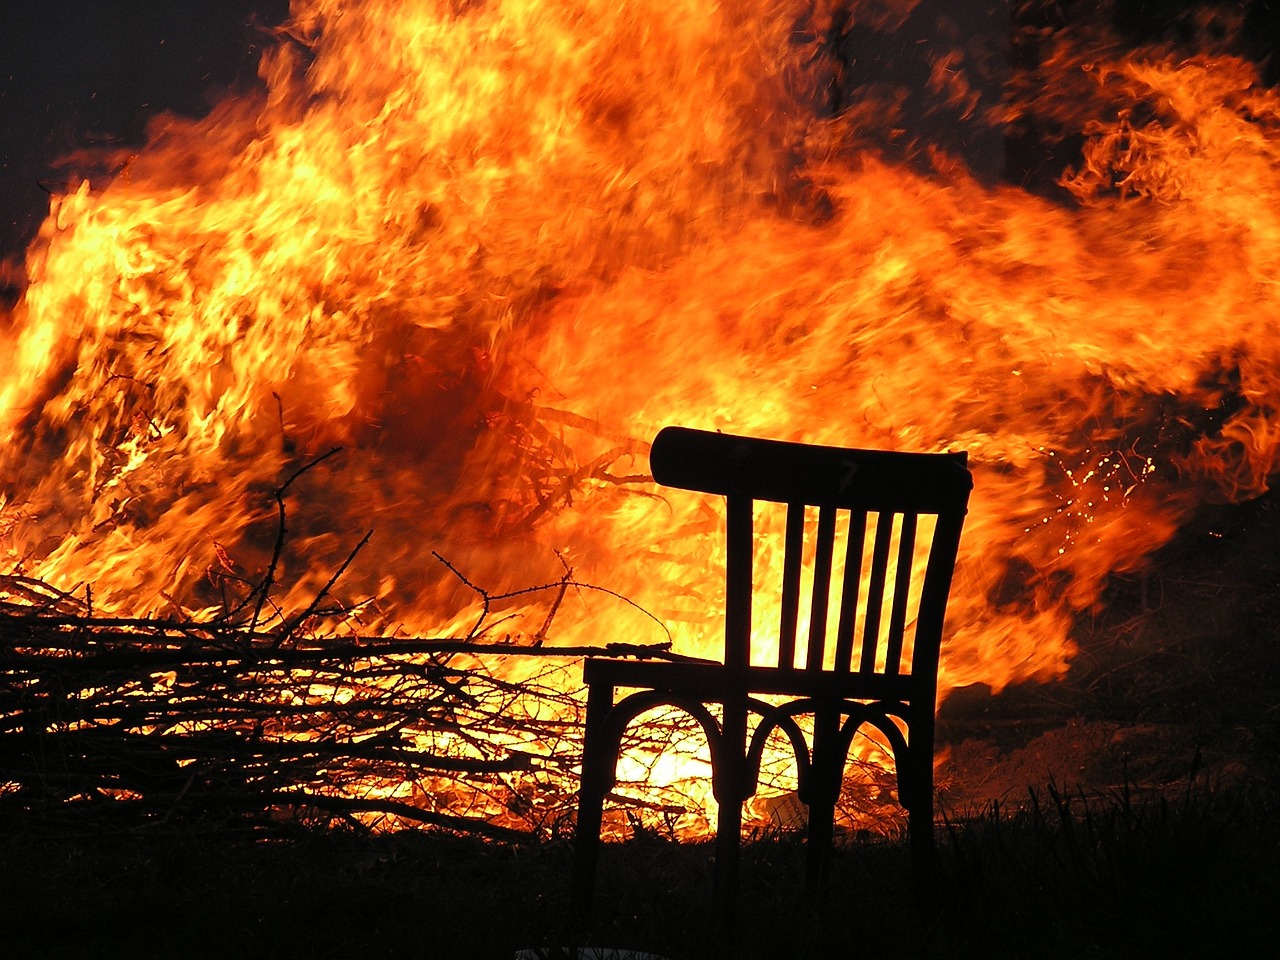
column 586, row 852
column 826, row 776
column 731, row 788
column 728, row 851
column 597, row 773
column 915, row 789
column 923, row 851
column 818, row 845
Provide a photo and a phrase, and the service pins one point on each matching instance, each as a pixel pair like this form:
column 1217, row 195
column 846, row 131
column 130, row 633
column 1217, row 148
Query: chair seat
column 712, row 681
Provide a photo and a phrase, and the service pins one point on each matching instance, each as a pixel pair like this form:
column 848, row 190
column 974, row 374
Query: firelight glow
column 489, row 249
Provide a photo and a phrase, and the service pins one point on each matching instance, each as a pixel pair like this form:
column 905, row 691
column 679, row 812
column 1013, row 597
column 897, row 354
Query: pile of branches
column 255, row 717
column 116, row 720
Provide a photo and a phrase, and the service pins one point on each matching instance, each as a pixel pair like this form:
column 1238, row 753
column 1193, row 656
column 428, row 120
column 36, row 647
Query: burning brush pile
column 114, row 721
column 111, row 720
column 485, row 250
column 269, row 719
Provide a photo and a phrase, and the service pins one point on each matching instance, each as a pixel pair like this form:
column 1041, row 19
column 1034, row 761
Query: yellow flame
column 489, row 249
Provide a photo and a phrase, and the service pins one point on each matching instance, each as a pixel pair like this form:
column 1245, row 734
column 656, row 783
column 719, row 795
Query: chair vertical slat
column 875, row 592
column 901, row 592
column 821, row 596
column 737, row 601
column 849, row 591
column 944, row 545
column 792, row 562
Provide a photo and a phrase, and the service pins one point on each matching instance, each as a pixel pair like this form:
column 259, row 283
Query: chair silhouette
column 898, row 517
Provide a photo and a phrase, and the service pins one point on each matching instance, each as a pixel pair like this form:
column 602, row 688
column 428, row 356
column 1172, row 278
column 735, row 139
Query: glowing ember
column 489, row 249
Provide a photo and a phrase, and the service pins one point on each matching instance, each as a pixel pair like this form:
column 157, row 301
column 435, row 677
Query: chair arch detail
column 878, row 715
column 628, row 708
column 781, row 717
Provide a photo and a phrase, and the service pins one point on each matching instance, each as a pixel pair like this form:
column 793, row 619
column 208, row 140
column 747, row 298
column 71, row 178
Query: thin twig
column 268, row 579
column 291, row 625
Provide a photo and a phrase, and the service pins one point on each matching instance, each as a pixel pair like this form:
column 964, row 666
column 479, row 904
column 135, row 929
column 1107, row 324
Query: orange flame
column 490, row 248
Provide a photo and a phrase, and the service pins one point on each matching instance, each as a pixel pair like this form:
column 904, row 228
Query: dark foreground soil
column 1128, row 810
column 1187, row 876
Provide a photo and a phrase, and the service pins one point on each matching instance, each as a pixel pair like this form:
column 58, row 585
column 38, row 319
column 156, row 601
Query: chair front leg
column 598, row 767
column 826, row 776
column 730, row 775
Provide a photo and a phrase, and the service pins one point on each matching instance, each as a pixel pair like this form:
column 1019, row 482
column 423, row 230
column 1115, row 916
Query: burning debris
column 275, row 718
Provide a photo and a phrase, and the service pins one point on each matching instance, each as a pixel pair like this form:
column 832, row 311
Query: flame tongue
column 489, row 249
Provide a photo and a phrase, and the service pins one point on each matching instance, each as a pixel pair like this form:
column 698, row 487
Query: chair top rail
column 785, row 472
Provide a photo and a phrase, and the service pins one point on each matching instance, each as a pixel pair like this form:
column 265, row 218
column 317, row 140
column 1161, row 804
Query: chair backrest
column 880, row 531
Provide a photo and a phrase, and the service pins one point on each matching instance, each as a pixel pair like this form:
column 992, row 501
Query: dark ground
column 1128, row 811
column 1190, row 877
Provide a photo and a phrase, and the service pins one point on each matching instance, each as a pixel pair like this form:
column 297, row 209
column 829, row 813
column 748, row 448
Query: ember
column 488, row 249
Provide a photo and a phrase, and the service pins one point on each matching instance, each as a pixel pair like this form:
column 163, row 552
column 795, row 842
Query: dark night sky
column 77, row 73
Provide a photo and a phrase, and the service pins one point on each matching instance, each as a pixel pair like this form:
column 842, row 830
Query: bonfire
column 325, row 414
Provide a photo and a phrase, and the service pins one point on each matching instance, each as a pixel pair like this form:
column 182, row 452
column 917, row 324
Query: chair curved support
column 780, row 718
column 622, row 713
column 878, row 715
column 783, row 717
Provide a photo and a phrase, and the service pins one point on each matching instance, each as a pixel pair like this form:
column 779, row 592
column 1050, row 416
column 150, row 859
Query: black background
column 85, row 73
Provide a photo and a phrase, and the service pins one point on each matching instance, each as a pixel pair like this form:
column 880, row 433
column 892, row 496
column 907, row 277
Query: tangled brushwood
column 149, row 720
column 263, row 717
column 132, row 721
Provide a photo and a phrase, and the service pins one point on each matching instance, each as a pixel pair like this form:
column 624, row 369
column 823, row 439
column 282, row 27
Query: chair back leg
column 924, row 854
column 915, row 791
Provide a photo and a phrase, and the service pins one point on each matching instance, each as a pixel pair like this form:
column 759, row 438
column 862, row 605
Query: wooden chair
column 899, row 516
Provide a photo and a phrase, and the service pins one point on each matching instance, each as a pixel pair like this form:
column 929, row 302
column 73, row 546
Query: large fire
column 489, row 248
